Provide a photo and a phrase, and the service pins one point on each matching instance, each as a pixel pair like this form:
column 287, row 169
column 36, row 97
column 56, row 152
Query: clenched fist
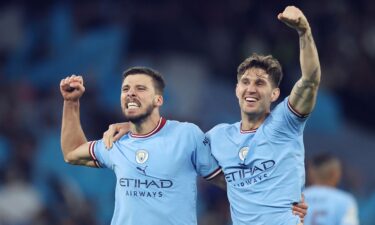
column 72, row 88
column 294, row 17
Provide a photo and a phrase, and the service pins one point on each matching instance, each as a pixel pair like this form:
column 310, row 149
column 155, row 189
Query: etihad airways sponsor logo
column 148, row 188
column 145, row 183
column 147, row 194
column 242, row 174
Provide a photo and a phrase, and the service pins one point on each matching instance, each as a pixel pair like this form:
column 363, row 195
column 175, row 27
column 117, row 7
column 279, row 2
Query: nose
column 251, row 88
column 130, row 92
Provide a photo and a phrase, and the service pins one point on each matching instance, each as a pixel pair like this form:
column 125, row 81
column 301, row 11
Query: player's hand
column 115, row 132
column 72, row 88
column 300, row 209
column 294, row 18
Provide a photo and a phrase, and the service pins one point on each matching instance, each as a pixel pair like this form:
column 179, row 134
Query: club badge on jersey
column 141, row 156
column 243, row 153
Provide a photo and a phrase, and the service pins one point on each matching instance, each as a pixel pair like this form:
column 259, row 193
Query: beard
column 257, row 112
column 138, row 119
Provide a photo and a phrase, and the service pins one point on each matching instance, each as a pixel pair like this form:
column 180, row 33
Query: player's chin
column 134, row 115
column 131, row 115
column 250, row 108
column 252, row 111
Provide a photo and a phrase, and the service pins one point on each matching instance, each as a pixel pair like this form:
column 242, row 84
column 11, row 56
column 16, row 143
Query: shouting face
column 139, row 98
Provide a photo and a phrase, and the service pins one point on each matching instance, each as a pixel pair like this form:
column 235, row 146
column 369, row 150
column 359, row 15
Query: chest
column 234, row 149
column 158, row 157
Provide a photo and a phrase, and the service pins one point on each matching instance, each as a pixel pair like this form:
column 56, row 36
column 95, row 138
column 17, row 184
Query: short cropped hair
column 157, row 78
column 323, row 165
column 268, row 63
column 322, row 159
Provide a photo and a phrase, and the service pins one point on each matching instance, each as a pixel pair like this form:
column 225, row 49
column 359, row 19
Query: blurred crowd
column 197, row 46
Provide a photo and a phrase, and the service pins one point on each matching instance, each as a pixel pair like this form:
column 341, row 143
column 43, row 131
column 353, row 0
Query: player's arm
column 303, row 96
column 219, row 181
column 74, row 145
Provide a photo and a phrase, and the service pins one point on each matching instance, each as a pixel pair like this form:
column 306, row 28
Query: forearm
column 294, row 18
column 304, row 93
column 309, row 58
column 72, row 135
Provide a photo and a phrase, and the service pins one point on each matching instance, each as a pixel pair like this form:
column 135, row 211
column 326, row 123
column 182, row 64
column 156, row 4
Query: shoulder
column 223, row 127
column 280, row 107
column 346, row 196
column 183, row 127
column 312, row 190
column 219, row 127
column 284, row 107
column 282, row 121
column 340, row 196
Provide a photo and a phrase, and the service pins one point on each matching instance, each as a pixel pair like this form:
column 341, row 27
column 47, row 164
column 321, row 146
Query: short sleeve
column 203, row 161
column 100, row 154
column 286, row 120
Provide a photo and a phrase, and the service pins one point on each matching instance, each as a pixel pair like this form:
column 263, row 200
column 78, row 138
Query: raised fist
column 72, row 88
column 294, row 18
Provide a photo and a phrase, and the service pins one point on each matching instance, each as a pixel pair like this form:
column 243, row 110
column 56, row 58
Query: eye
column 141, row 88
column 125, row 89
column 245, row 81
column 260, row 82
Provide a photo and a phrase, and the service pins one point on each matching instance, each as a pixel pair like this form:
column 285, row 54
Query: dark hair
column 157, row 78
column 322, row 159
column 267, row 63
column 323, row 167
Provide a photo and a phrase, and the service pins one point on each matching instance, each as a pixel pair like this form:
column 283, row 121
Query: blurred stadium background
column 197, row 45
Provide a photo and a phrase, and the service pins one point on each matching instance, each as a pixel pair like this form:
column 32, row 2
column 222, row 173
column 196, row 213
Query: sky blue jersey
column 156, row 173
column 330, row 206
column 263, row 168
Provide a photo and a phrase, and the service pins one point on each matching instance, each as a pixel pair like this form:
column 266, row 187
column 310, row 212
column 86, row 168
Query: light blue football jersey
column 263, row 168
column 330, row 206
column 156, row 173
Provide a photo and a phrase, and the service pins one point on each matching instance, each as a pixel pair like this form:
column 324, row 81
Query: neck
column 145, row 126
column 252, row 122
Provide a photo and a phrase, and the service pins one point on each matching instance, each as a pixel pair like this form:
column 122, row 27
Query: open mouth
column 251, row 99
column 132, row 105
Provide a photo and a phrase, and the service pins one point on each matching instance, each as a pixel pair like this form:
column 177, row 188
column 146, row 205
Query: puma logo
column 143, row 170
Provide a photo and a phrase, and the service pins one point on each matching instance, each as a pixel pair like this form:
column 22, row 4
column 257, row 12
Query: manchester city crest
column 243, row 153
column 141, row 156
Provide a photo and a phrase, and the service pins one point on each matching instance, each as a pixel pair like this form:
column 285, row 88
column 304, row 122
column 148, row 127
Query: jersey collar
column 158, row 127
column 247, row 131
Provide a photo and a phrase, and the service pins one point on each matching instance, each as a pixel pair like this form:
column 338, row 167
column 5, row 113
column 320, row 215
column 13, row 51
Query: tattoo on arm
column 298, row 91
column 304, row 86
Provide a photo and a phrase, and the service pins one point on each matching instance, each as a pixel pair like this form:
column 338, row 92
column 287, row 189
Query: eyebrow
column 258, row 76
column 263, row 75
column 137, row 85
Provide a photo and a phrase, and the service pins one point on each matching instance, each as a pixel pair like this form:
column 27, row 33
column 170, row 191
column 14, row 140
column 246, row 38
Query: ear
column 158, row 101
column 275, row 94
